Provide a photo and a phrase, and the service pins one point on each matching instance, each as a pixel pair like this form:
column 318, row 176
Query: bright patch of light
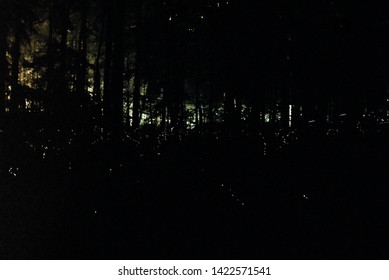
column 267, row 117
column 13, row 171
column 290, row 115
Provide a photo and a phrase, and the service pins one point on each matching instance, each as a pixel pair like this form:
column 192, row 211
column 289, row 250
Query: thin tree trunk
column 137, row 80
column 3, row 67
column 128, row 93
column 255, row 115
column 284, row 105
column 197, row 102
column 50, row 53
column 63, row 48
column 201, row 114
column 144, row 100
column 212, row 74
column 15, row 94
column 117, row 71
column 238, row 109
column 97, row 76
column 229, row 109
column 151, row 119
column 107, row 98
column 82, row 52
column 163, row 120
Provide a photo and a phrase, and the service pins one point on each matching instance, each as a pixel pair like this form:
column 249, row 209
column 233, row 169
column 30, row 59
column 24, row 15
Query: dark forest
column 194, row 129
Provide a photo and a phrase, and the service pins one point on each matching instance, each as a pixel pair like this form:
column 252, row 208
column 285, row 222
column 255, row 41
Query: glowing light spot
column 290, row 115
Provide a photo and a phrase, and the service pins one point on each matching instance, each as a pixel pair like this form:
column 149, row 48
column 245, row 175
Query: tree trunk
column 284, row 104
column 212, row 91
column 256, row 119
column 82, row 52
column 107, row 98
column 229, row 110
column 62, row 83
column 144, row 100
column 128, row 75
column 3, row 66
column 50, row 53
column 15, row 94
column 137, row 79
column 97, row 76
column 201, row 114
column 117, row 71
column 197, row 102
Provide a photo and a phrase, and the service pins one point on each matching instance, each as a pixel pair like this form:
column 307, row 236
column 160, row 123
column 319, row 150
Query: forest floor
column 298, row 194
